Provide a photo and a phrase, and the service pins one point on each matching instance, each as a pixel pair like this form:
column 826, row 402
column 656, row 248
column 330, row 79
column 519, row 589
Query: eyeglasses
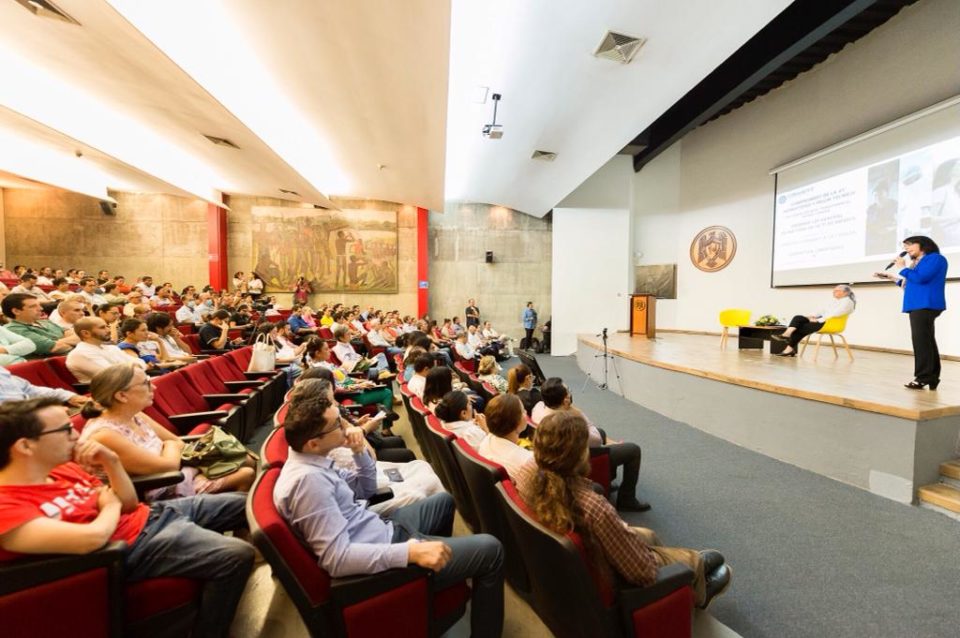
column 338, row 425
column 145, row 384
column 66, row 427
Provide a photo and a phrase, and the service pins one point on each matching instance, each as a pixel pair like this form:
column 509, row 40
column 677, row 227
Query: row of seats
column 550, row 571
column 91, row 587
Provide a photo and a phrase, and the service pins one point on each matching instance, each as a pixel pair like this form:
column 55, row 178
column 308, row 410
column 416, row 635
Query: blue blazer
column 923, row 286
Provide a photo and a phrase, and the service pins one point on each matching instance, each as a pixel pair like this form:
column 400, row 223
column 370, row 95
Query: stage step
column 941, row 498
column 951, row 469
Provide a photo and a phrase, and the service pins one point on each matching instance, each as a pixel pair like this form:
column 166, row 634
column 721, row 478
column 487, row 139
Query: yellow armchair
column 732, row 318
column 832, row 326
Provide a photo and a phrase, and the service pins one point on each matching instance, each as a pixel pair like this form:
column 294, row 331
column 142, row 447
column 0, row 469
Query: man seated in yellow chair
column 844, row 302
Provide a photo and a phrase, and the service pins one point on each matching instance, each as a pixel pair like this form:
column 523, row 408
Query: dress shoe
column 718, row 581
column 919, row 385
column 632, row 505
column 787, row 354
column 712, row 560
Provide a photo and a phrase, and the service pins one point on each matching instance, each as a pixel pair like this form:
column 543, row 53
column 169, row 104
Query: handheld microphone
column 890, row 265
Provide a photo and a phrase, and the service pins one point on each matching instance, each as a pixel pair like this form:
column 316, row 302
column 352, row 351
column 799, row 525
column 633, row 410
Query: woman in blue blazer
column 924, row 298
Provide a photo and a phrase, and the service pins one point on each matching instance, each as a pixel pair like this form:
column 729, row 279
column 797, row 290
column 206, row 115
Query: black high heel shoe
column 917, row 385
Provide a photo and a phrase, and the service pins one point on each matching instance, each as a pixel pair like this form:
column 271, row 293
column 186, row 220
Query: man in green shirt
column 50, row 338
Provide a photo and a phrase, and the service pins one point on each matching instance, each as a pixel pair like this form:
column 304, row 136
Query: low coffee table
column 752, row 338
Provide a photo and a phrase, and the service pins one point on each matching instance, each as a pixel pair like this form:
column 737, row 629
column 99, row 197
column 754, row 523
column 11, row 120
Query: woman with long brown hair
column 561, row 495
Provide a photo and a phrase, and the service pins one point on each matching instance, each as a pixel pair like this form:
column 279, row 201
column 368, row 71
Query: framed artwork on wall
column 335, row 250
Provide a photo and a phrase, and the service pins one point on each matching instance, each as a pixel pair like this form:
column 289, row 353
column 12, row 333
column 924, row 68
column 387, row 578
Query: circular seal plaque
column 713, row 248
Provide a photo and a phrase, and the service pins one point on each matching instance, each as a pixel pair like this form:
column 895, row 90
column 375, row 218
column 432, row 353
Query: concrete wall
column 521, row 271
column 718, row 174
column 160, row 235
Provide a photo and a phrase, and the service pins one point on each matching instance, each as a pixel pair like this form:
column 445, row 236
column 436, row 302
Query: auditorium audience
column 556, row 487
column 88, row 290
column 13, row 388
column 95, row 352
column 145, row 286
column 520, row 382
column 488, row 371
column 110, row 313
column 215, row 334
column 120, row 393
column 61, row 289
column 456, row 412
column 50, row 505
column 422, row 365
column 13, row 347
column 377, row 366
column 317, row 354
column 321, row 504
column 139, row 343
column 28, row 286
column 68, row 312
column 49, row 338
column 505, row 421
column 557, row 398
column 134, row 299
column 174, row 347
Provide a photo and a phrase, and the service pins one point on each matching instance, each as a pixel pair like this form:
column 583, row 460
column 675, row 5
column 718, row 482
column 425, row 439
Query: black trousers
column 628, row 456
column 528, row 340
column 803, row 327
column 926, row 355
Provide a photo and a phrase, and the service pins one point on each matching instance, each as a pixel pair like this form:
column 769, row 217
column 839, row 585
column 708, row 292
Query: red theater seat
column 53, row 596
column 355, row 607
column 574, row 601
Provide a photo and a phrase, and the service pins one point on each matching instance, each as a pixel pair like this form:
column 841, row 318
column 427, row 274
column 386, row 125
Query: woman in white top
column 506, row 419
column 456, row 412
column 120, row 394
column 254, row 285
column 844, row 302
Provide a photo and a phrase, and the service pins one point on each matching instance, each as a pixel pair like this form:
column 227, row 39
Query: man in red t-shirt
column 50, row 505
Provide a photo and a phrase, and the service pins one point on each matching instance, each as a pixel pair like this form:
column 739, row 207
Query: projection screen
column 842, row 213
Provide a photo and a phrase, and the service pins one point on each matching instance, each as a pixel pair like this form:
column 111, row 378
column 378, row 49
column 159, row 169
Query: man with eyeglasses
column 327, row 508
column 50, row 505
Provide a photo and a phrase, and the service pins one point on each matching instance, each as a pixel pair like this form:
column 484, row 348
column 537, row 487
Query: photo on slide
column 881, row 222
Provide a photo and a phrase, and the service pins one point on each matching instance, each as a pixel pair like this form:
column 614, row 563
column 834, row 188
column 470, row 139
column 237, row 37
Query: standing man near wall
column 529, row 324
column 472, row 313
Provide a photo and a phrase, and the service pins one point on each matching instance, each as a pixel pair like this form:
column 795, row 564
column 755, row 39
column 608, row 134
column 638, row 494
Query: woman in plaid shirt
column 556, row 487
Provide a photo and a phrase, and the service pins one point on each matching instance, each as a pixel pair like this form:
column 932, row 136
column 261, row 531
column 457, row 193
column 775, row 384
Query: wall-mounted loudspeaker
column 489, row 258
column 108, row 208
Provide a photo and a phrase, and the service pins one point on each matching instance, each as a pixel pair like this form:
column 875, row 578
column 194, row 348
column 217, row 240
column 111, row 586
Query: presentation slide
column 844, row 227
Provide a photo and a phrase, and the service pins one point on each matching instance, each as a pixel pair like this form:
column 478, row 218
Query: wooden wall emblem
column 713, row 248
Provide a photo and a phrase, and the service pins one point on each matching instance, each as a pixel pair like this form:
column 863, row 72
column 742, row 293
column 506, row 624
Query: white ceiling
column 366, row 98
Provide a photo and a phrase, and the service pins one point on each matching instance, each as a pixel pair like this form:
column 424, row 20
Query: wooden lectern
column 643, row 316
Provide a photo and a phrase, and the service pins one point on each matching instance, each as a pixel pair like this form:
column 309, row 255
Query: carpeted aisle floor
column 811, row 556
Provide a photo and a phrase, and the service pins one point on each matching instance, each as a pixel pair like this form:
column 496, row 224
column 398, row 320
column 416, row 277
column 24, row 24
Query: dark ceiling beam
column 788, row 38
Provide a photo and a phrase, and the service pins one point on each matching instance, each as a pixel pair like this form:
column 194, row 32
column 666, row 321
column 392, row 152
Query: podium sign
column 643, row 318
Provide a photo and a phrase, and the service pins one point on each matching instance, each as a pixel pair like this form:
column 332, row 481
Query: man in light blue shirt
column 326, row 507
column 13, row 388
column 529, row 325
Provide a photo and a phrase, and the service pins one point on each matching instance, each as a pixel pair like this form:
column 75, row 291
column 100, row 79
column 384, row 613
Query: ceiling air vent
column 221, row 141
column 618, row 47
column 544, row 156
column 46, row 9
column 286, row 192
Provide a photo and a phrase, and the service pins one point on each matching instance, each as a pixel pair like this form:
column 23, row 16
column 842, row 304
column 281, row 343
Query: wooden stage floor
column 873, row 381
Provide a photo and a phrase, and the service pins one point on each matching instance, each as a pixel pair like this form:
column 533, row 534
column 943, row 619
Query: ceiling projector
column 493, row 130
